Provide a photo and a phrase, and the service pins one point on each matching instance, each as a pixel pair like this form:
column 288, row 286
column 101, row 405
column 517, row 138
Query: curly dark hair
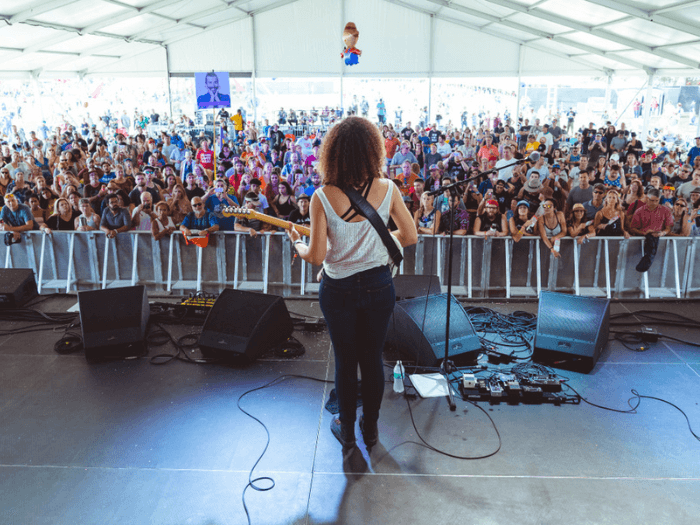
column 351, row 153
column 284, row 183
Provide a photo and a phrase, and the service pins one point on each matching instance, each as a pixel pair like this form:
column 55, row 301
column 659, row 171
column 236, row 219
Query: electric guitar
column 245, row 213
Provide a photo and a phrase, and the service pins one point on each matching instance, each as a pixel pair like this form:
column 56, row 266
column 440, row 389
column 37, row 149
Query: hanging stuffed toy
column 350, row 52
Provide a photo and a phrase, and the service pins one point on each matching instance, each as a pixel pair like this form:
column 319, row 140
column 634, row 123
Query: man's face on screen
column 212, row 84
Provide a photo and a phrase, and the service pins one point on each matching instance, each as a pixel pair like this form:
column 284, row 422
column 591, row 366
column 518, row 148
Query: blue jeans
column 357, row 310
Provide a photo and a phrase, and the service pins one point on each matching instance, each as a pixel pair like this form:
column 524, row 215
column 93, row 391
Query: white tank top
column 161, row 227
column 354, row 247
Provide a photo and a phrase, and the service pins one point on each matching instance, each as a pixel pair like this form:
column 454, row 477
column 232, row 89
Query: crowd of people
column 590, row 181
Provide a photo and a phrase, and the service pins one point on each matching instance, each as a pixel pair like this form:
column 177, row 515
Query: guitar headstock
column 232, row 211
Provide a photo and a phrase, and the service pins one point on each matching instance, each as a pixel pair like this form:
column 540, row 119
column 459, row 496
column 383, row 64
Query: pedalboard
column 507, row 388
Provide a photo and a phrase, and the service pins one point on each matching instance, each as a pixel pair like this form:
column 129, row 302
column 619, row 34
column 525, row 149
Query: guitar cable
column 254, row 483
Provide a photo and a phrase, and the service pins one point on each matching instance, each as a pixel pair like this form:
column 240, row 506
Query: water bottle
column 398, row 377
column 530, row 229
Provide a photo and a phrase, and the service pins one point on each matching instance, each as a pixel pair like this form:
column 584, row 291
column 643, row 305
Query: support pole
column 521, row 57
column 254, row 98
column 647, row 108
column 430, row 69
column 167, row 73
column 342, row 62
column 213, row 115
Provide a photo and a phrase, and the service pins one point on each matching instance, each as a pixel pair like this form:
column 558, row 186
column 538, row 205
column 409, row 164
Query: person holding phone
column 598, row 148
column 216, row 199
column 142, row 215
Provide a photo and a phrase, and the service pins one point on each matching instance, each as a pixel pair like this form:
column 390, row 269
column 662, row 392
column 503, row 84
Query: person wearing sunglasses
column 609, row 222
column 552, row 226
column 199, row 220
column 594, row 205
column 682, row 220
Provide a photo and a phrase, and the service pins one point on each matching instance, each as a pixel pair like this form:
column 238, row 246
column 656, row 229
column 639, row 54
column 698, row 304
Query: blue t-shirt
column 108, row 177
column 193, row 222
column 485, row 186
column 214, row 206
column 18, row 218
column 426, row 144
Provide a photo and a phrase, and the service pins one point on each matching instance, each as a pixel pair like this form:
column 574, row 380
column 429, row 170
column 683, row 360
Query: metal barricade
column 481, row 267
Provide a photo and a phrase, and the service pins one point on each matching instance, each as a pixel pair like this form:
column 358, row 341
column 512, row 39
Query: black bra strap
column 352, row 211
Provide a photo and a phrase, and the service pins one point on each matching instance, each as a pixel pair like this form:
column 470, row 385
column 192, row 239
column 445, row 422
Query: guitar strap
column 364, row 208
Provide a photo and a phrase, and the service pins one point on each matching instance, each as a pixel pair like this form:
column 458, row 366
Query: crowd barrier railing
column 491, row 267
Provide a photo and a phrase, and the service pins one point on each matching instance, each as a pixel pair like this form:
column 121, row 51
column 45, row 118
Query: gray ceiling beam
column 131, row 12
column 566, row 22
column 613, row 22
column 498, row 34
column 38, row 9
column 541, row 34
column 186, row 20
column 675, row 7
column 190, row 34
column 68, row 33
column 658, row 19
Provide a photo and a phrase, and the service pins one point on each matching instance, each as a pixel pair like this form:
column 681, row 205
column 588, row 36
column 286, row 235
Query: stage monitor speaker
column 408, row 286
column 425, row 342
column 113, row 322
column 571, row 331
column 243, row 325
column 17, row 286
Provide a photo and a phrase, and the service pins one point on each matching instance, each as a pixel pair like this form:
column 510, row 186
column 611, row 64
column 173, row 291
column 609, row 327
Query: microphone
column 534, row 156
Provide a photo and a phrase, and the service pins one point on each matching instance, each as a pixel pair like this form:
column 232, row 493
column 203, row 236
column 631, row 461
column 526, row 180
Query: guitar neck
column 281, row 223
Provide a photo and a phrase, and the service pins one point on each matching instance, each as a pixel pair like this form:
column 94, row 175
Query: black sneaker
column 644, row 264
column 370, row 432
column 345, row 433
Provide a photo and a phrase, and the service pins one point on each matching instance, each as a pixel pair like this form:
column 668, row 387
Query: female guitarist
column 356, row 294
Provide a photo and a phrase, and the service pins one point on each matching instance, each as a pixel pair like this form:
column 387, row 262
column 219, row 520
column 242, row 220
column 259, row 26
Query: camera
column 9, row 239
column 219, row 190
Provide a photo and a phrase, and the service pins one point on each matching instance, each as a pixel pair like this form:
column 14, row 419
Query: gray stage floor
column 133, row 443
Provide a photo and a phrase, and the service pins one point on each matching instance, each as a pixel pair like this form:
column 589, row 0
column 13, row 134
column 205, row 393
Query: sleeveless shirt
column 551, row 232
column 354, row 247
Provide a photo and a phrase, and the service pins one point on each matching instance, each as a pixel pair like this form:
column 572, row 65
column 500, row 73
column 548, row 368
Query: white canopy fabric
column 398, row 38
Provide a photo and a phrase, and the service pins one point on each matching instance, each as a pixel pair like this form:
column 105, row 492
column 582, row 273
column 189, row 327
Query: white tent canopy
column 399, row 38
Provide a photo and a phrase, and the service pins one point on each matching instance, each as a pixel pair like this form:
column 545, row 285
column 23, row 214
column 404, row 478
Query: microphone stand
column 447, row 366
